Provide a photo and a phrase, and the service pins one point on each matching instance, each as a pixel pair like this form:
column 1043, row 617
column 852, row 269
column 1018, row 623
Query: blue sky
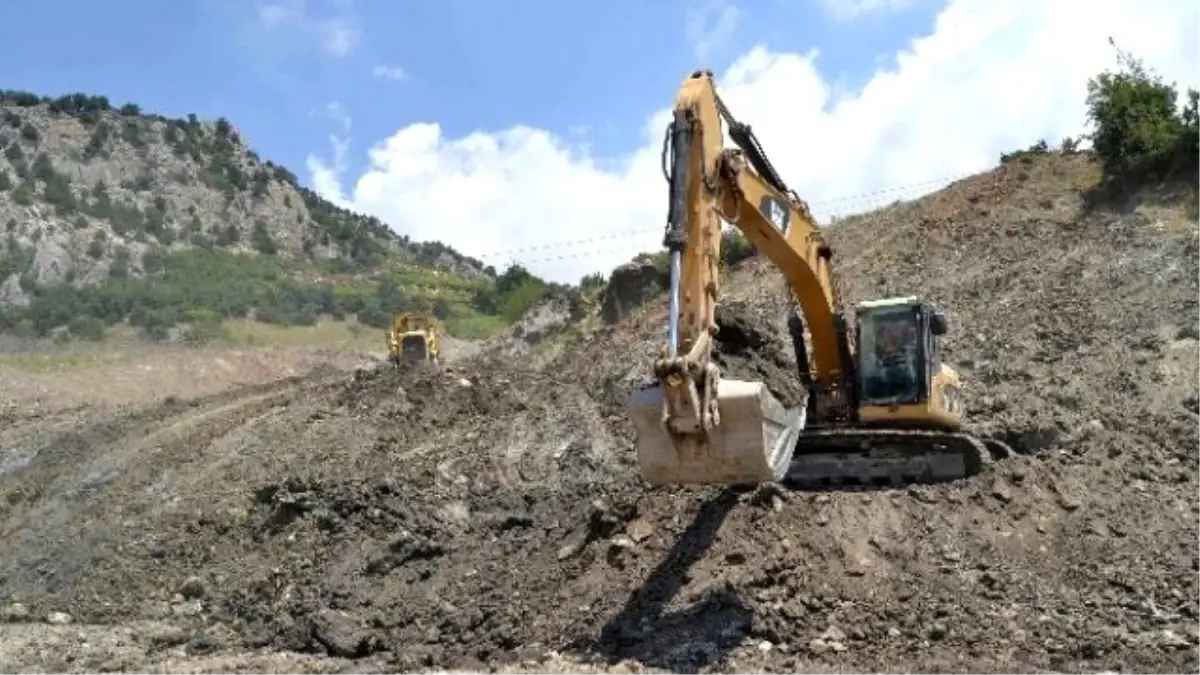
column 271, row 67
column 494, row 126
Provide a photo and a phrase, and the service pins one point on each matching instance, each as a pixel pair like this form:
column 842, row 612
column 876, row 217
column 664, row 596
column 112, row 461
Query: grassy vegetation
column 200, row 288
column 349, row 335
column 123, row 343
column 59, row 361
column 475, row 326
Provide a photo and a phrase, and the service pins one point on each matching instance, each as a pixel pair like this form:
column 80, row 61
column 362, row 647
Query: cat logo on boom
column 775, row 211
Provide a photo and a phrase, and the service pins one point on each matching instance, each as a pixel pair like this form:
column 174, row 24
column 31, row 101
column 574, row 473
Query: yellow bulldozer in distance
column 415, row 337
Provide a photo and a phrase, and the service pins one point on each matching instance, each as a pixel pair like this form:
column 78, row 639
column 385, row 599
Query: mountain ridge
column 97, row 200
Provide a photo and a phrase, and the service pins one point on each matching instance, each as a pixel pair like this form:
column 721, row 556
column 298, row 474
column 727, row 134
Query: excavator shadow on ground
column 705, row 632
column 645, row 629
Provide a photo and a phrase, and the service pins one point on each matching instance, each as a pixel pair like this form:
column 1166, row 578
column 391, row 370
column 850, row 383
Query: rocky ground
column 489, row 516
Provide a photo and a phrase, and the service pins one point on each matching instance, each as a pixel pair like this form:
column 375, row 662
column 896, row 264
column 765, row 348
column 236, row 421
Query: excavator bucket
column 753, row 443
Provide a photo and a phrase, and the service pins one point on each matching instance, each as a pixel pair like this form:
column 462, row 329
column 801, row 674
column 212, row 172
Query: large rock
column 631, row 285
column 543, row 320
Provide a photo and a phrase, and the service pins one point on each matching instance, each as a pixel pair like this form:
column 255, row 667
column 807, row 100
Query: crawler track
column 833, row 457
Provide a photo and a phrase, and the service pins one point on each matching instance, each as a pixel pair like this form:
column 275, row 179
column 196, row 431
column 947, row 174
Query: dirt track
column 491, row 516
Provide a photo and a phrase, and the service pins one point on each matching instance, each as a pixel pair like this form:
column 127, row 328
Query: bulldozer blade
column 833, row 457
column 753, row 442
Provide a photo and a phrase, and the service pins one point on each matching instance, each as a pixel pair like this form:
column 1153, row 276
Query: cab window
column 890, row 357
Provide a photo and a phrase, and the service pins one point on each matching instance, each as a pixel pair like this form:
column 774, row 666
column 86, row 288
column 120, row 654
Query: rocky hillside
column 96, row 197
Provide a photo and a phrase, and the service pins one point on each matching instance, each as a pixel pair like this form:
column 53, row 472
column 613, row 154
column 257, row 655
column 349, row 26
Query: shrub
column 735, row 247
column 1138, row 124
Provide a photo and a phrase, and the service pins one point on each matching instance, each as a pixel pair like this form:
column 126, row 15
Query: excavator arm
column 709, row 429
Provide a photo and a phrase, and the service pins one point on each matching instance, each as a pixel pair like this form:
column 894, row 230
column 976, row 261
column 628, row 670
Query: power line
column 570, row 242
column 862, row 198
column 577, row 254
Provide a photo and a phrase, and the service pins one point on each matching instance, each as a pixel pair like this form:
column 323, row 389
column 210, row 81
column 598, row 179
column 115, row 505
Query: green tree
column 441, row 309
column 1137, row 124
column 592, row 281
column 30, row 133
column 520, row 299
column 95, row 247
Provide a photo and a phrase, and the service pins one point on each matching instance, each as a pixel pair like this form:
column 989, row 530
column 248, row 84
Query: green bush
column 1138, row 123
column 513, row 293
column 204, row 326
column 592, row 282
column 86, row 328
column 520, row 299
column 735, row 247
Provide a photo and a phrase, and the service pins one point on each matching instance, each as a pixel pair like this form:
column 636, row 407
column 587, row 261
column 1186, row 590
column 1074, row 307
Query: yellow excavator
column 414, row 338
column 880, row 408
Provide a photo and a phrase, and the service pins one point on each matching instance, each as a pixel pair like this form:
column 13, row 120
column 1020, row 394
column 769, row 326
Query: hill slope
column 97, row 197
column 493, row 514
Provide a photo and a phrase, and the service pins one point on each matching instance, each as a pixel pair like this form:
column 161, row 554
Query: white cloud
column 848, row 10
column 390, row 73
column 336, row 32
column 989, row 77
column 339, row 36
column 709, row 27
column 276, row 14
column 326, row 177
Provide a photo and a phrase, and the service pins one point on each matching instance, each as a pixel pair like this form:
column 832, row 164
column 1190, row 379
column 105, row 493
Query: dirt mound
column 490, row 513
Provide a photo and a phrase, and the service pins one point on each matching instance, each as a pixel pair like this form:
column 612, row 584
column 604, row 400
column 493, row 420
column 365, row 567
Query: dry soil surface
column 489, row 515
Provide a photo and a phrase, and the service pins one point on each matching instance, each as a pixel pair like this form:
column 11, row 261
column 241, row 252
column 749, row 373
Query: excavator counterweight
column 880, row 407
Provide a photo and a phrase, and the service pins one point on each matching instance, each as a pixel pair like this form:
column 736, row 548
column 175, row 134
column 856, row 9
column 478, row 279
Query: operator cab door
column 893, row 356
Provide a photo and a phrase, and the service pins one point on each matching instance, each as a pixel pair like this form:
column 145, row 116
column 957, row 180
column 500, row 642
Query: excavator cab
column 900, row 375
column 890, row 353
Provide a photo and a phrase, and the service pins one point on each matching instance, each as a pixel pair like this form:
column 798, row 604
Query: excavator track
column 895, row 457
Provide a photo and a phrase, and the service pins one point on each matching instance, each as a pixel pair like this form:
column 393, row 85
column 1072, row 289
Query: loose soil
column 488, row 515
